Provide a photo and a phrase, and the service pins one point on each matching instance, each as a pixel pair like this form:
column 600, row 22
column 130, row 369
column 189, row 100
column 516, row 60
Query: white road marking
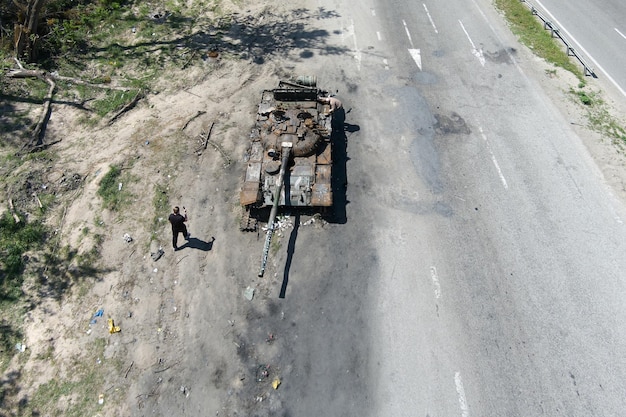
column 493, row 158
column 386, row 64
column 378, row 36
column 476, row 52
column 433, row 275
column 562, row 28
column 430, row 18
column 357, row 53
column 406, row 28
column 511, row 57
column 417, row 57
column 461, row 392
column 621, row 34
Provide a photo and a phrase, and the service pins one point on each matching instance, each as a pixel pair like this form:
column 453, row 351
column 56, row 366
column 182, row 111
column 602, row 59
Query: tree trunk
column 26, row 36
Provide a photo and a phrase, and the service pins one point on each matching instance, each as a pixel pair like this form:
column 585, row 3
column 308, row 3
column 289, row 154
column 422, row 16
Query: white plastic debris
column 249, row 293
column 282, row 223
column 127, row 238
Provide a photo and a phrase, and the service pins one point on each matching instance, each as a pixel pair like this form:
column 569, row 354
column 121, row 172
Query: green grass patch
column 114, row 196
column 531, row 33
column 15, row 240
column 113, row 100
column 599, row 117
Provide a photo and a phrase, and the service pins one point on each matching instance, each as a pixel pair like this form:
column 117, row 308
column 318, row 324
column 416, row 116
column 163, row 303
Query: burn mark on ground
column 453, row 124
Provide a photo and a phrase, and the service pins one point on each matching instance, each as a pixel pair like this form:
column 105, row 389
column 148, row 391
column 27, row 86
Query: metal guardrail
column 554, row 31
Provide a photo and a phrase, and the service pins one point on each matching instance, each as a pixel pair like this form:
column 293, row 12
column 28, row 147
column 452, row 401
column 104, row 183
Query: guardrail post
column 555, row 31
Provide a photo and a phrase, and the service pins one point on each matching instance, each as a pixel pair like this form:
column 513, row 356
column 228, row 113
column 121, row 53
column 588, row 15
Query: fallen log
column 200, row 112
column 126, row 108
column 45, row 115
column 38, row 132
column 24, row 73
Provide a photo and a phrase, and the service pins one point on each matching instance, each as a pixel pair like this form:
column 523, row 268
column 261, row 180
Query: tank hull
column 290, row 114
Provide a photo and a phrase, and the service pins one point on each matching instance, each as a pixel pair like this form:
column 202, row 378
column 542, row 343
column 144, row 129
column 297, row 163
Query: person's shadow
column 196, row 243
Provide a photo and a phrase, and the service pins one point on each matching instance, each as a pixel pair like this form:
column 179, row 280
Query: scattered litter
column 315, row 219
column 119, row 187
column 276, row 383
column 127, row 238
column 282, row 223
column 20, row 347
column 112, row 327
column 270, row 338
column 88, row 331
column 157, row 255
column 155, row 270
column 249, row 293
column 98, row 313
column 262, row 372
column 101, row 399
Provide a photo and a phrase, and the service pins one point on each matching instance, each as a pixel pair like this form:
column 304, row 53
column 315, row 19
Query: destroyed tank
column 289, row 160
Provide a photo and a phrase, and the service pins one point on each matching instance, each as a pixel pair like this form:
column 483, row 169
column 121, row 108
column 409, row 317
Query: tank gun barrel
column 286, row 152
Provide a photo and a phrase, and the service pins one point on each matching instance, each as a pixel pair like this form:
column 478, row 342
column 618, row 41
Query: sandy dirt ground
column 185, row 346
column 185, row 312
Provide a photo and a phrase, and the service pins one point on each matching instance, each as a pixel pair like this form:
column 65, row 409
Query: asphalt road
column 479, row 270
column 598, row 29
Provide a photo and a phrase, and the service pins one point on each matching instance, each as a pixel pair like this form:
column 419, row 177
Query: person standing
column 178, row 225
column 332, row 102
column 338, row 115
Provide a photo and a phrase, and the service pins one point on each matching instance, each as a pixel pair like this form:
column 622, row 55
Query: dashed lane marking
column 435, row 278
column 408, row 34
column 461, row 392
column 475, row 51
column 430, row 18
column 493, row 158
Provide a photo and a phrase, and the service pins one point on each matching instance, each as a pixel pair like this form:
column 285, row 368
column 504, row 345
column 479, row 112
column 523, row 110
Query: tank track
column 248, row 223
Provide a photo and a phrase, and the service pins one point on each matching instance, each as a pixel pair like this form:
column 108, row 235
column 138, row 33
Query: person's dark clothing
column 178, row 226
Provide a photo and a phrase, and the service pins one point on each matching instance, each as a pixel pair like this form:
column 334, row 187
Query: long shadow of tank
column 339, row 180
column 291, row 249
